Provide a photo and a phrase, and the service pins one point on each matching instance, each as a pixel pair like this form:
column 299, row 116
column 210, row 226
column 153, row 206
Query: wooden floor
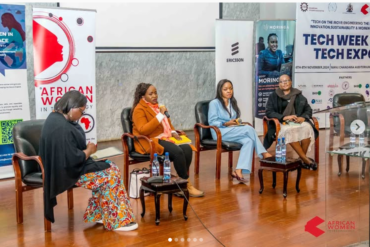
column 235, row 213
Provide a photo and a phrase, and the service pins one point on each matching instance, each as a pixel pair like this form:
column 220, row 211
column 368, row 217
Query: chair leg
column 196, row 165
column 218, row 164
column 317, row 148
column 70, row 198
column 230, row 161
column 254, row 153
column 125, row 169
column 47, row 225
column 19, row 203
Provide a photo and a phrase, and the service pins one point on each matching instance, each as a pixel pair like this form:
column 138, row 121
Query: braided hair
column 140, row 91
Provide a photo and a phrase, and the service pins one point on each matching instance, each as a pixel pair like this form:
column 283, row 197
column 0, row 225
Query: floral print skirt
column 109, row 201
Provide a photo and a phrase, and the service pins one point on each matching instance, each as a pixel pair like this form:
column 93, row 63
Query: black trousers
column 180, row 155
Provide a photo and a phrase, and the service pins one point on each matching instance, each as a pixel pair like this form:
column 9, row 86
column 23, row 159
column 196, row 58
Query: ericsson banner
column 332, row 51
column 234, row 60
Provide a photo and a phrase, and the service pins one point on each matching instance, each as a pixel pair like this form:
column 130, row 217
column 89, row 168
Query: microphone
column 166, row 112
column 239, row 121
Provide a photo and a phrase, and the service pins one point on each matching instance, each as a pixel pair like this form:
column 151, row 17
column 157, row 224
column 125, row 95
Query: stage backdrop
column 332, row 54
column 14, row 103
column 64, row 58
column 234, row 61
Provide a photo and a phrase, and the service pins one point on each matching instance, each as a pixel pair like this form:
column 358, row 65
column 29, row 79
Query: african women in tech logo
column 53, row 47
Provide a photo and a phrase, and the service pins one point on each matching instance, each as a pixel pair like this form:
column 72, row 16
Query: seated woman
column 67, row 162
column 149, row 119
column 223, row 113
column 288, row 105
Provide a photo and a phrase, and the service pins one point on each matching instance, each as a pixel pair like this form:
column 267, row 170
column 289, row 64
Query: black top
column 274, row 109
column 61, row 151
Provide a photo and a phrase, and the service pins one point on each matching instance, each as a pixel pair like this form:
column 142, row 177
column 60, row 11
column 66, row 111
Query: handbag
column 135, row 182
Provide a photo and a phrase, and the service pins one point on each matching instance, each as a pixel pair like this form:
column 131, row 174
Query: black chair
column 130, row 156
column 28, row 167
column 340, row 123
column 203, row 137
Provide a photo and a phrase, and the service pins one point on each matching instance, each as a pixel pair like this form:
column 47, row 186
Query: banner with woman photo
column 14, row 104
column 274, row 47
column 64, row 60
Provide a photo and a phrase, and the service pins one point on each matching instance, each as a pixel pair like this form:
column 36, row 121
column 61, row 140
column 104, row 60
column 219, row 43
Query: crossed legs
column 301, row 149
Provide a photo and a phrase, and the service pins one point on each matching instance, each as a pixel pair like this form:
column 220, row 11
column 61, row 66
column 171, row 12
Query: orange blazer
column 145, row 123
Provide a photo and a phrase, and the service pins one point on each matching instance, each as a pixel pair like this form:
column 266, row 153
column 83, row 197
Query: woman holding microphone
column 150, row 119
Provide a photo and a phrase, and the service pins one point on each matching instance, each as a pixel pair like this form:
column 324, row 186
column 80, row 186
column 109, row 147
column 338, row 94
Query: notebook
column 185, row 140
column 106, row 153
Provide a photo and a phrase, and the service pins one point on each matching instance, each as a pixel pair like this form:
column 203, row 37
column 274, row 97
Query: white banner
column 332, row 52
column 234, row 56
column 14, row 103
column 64, row 55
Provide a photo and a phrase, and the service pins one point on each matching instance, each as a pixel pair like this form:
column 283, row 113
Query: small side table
column 164, row 188
column 272, row 165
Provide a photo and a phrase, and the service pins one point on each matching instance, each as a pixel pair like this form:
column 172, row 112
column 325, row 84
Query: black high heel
column 312, row 166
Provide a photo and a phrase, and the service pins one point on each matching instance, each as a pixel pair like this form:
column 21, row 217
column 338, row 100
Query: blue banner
column 274, row 57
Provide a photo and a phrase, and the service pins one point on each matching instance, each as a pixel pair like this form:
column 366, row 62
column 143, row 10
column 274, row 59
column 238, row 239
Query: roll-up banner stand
column 274, row 51
column 14, row 102
column 64, row 60
column 234, row 53
column 333, row 55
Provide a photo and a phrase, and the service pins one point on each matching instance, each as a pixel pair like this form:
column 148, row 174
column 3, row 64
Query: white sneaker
column 129, row 227
column 99, row 221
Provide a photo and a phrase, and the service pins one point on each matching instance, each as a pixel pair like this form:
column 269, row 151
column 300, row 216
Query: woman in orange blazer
column 149, row 120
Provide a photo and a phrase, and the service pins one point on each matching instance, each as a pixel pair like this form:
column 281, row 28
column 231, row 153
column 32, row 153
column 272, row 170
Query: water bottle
column 278, row 151
column 352, row 140
column 283, row 150
column 155, row 166
column 361, row 139
column 167, row 168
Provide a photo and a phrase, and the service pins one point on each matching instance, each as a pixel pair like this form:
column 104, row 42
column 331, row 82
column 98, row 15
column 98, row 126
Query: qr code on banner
column 7, row 130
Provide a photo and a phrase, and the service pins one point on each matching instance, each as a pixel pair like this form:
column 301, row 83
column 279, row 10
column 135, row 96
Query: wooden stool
column 272, row 165
column 164, row 188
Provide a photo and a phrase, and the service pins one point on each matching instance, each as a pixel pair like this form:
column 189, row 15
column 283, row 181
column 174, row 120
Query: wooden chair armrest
column 129, row 135
column 341, row 123
column 316, row 123
column 265, row 125
column 22, row 156
column 217, row 130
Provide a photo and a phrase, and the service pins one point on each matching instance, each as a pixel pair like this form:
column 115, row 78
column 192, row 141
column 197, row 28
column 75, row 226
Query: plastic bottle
column 283, row 150
column 352, row 140
column 167, row 168
column 155, row 166
column 361, row 139
column 278, row 151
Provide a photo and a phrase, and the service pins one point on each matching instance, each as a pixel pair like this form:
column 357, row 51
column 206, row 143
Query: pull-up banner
column 14, row 104
column 333, row 54
column 234, row 40
column 64, row 60
column 274, row 47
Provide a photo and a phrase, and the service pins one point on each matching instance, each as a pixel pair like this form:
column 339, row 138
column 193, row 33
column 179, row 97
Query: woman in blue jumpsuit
column 223, row 113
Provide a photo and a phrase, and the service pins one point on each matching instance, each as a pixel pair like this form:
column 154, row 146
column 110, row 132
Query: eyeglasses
column 82, row 112
column 285, row 81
